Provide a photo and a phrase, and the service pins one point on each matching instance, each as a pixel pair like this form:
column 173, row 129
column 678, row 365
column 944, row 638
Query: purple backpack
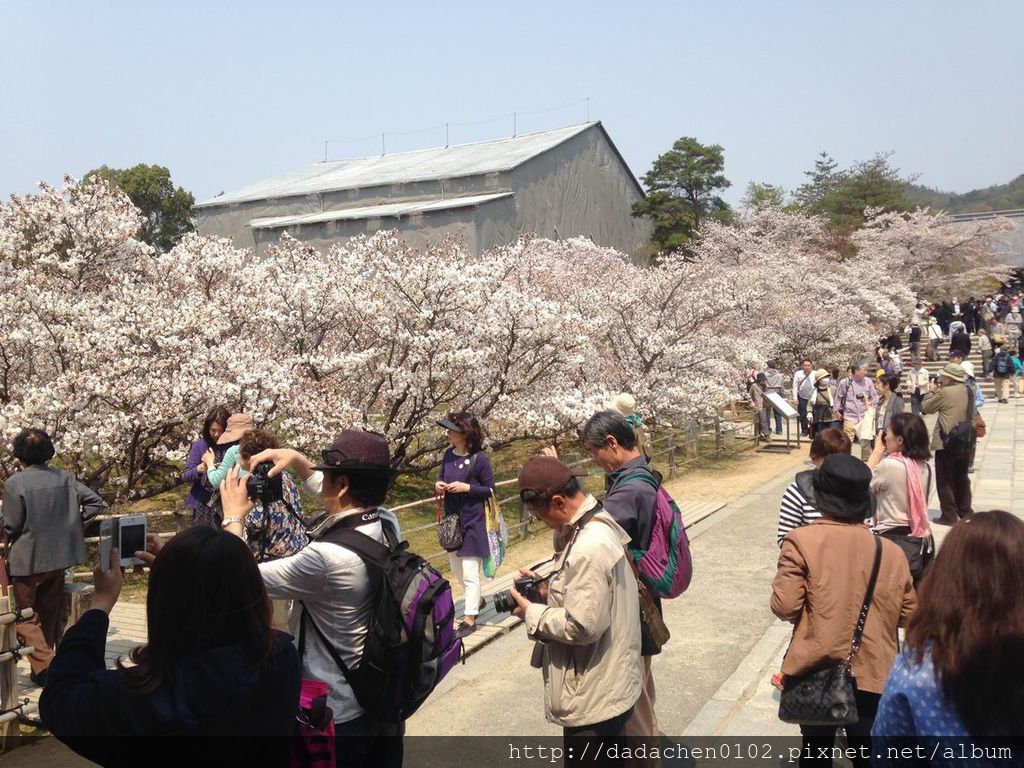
column 665, row 565
column 411, row 643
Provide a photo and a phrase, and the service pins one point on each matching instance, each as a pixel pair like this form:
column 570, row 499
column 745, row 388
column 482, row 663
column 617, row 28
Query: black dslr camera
column 263, row 488
column 527, row 587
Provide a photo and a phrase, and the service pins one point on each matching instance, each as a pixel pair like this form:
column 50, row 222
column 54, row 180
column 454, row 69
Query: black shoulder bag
column 827, row 696
column 960, row 439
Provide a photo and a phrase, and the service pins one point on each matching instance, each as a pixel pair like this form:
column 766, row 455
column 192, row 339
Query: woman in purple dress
column 466, row 482
column 195, row 468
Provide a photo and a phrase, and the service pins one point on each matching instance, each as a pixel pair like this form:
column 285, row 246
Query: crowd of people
column 217, row 661
column 257, row 598
column 858, row 556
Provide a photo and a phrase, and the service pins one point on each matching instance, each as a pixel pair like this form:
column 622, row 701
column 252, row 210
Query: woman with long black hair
column 212, row 669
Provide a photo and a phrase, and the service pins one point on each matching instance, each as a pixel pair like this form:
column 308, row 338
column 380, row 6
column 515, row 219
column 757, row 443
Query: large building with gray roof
column 563, row 183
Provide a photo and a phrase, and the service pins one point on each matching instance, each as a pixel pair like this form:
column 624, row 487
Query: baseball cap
column 542, row 476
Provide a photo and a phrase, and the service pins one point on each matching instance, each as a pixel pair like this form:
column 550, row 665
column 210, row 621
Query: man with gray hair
column 855, row 395
column 610, row 440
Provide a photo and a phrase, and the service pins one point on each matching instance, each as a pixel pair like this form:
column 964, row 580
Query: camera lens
column 503, row 602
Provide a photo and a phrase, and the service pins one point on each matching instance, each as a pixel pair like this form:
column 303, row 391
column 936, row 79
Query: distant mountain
column 999, row 197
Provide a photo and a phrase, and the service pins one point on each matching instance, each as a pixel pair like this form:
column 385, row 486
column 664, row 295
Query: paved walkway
column 746, row 704
column 714, row 625
column 127, row 630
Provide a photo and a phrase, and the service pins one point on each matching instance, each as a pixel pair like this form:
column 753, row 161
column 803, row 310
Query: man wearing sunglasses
column 588, row 621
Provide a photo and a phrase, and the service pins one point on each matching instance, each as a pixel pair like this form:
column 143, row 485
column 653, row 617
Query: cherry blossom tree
column 118, row 350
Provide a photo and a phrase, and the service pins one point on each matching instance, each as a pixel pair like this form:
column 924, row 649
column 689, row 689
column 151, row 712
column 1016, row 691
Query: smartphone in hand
column 132, row 538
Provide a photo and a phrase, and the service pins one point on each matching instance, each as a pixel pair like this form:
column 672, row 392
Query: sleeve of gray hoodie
column 631, row 505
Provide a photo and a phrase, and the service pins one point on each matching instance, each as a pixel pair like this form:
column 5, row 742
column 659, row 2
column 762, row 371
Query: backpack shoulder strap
column 369, row 550
column 644, row 475
column 331, row 650
column 843, row 393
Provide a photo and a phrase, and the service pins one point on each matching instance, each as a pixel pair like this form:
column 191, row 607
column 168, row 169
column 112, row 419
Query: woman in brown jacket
column 820, row 586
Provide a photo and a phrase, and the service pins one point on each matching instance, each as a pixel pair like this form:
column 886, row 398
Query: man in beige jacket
column 587, row 621
column 954, row 403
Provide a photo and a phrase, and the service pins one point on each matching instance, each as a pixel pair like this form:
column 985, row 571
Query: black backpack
column 1002, row 365
column 411, row 642
column 959, row 440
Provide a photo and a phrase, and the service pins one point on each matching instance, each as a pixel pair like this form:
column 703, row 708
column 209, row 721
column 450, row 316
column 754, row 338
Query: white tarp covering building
column 1010, row 243
column 563, row 183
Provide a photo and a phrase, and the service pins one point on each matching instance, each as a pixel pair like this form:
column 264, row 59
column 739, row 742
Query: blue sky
column 228, row 93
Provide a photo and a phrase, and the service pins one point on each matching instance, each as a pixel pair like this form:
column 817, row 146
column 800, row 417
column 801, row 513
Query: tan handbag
column 980, row 428
column 649, row 613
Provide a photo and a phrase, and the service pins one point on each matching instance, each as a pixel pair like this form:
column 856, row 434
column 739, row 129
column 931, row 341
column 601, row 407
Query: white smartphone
column 131, row 538
column 108, row 535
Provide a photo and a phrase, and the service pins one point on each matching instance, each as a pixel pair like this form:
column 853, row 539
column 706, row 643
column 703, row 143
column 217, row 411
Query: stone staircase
column 988, row 387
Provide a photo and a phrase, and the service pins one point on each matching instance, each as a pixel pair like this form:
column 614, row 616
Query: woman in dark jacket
column 213, row 667
column 195, row 468
column 466, row 482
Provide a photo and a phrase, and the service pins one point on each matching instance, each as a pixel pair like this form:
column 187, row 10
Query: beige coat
column 951, row 404
column 820, row 585
column 589, row 628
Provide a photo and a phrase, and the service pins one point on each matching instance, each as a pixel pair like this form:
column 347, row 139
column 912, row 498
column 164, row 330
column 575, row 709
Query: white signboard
column 781, row 405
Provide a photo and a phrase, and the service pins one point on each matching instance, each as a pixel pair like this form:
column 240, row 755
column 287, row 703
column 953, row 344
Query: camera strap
column 353, row 520
column 586, row 518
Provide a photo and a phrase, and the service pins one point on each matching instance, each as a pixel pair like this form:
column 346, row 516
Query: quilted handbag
column 827, row 696
column 449, row 533
column 449, row 529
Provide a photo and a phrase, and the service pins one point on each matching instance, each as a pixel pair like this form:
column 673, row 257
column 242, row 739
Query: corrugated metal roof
column 387, row 210
column 421, row 165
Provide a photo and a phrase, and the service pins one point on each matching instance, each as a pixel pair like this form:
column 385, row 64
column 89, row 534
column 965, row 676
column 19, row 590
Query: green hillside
column 998, row 197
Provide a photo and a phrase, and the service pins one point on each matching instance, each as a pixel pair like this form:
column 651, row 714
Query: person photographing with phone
column 212, row 670
column 901, row 483
column 586, row 619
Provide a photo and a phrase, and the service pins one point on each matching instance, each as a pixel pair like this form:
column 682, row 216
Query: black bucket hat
column 842, row 488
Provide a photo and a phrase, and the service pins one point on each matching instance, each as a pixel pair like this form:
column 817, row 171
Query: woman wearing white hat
column 626, row 405
column 823, row 413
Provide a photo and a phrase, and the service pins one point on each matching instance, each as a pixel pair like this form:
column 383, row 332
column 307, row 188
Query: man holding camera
column 330, row 584
column 587, row 623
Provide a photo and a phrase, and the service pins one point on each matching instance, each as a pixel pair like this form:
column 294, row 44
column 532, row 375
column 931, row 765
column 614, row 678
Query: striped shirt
column 794, row 510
